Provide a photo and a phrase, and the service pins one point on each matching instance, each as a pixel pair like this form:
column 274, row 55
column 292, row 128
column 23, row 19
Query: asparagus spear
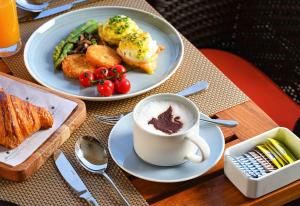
column 58, row 50
column 76, row 33
column 91, row 29
column 68, row 47
column 73, row 37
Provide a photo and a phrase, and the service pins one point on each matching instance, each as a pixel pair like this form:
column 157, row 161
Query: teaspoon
column 93, row 157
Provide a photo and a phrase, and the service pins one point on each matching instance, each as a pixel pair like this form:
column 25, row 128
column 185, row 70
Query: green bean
column 67, row 48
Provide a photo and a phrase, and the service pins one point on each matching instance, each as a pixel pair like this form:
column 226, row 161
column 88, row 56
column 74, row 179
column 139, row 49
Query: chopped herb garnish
column 117, row 19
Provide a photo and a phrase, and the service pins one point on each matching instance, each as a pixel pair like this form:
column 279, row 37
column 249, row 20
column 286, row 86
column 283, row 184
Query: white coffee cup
column 167, row 150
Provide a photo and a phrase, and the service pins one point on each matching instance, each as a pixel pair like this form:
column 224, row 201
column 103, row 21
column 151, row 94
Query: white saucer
column 120, row 146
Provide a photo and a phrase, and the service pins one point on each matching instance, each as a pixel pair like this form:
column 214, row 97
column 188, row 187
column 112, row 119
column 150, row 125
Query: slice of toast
column 147, row 66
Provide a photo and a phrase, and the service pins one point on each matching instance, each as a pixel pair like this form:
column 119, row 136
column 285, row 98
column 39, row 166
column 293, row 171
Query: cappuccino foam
column 154, row 108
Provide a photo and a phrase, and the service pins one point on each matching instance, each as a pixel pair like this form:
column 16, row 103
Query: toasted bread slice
column 147, row 66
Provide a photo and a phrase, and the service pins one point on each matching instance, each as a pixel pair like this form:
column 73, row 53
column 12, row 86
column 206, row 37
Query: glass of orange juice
column 10, row 41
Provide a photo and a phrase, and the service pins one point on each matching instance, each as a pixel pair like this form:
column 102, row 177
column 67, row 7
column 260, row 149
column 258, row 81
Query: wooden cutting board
column 24, row 170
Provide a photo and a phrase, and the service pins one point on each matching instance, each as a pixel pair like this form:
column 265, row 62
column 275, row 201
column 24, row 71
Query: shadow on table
column 5, row 203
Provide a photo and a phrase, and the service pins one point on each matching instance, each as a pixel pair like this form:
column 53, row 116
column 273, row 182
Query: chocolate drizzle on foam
column 166, row 123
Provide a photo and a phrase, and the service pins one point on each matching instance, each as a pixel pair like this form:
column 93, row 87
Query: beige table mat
column 46, row 187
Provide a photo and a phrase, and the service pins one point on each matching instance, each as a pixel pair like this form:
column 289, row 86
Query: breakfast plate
column 40, row 46
column 120, row 145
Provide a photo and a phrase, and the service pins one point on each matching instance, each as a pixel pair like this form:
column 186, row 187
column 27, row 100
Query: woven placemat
column 46, row 187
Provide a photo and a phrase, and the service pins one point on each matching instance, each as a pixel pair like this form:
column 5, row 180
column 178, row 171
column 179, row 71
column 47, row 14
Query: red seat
column 262, row 90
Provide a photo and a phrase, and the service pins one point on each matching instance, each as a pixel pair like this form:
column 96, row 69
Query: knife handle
column 199, row 86
column 90, row 199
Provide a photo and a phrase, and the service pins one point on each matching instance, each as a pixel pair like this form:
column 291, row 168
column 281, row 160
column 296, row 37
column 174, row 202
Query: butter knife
column 71, row 177
column 199, row 86
column 58, row 9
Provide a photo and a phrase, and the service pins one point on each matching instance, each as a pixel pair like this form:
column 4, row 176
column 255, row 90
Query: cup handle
column 203, row 148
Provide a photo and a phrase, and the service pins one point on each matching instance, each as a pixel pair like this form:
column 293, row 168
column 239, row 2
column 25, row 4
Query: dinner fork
column 113, row 119
column 199, row 86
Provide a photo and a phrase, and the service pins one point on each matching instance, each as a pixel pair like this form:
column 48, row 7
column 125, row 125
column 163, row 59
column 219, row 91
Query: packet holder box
column 257, row 187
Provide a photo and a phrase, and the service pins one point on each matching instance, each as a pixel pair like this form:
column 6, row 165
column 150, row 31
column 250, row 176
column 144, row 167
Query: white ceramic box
column 256, row 187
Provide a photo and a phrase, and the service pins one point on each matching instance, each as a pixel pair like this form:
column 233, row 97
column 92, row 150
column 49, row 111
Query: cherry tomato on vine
column 109, row 83
column 101, row 73
column 111, row 75
column 117, row 71
column 105, row 88
column 86, row 78
column 122, row 86
column 120, row 69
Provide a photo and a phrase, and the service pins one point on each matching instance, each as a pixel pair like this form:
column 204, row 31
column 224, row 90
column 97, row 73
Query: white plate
column 120, row 146
column 39, row 48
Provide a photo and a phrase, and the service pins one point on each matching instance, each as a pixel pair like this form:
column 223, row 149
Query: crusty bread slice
column 147, row 66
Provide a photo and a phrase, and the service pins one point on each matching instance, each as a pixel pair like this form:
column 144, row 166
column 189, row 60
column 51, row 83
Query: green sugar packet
column 274, row 153
column 283, row 150
column 277, row 152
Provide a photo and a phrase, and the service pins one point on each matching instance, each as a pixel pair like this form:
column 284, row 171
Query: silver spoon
column 93, row 157
column 25, row 5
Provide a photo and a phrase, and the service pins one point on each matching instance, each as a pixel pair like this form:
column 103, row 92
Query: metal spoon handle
column 115, row 187
column 22, row 4
column 221, row 122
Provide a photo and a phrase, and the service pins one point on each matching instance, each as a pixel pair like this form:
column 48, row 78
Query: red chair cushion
column 262, row 90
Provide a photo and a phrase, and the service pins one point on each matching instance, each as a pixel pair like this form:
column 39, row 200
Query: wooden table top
column 213, row 188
